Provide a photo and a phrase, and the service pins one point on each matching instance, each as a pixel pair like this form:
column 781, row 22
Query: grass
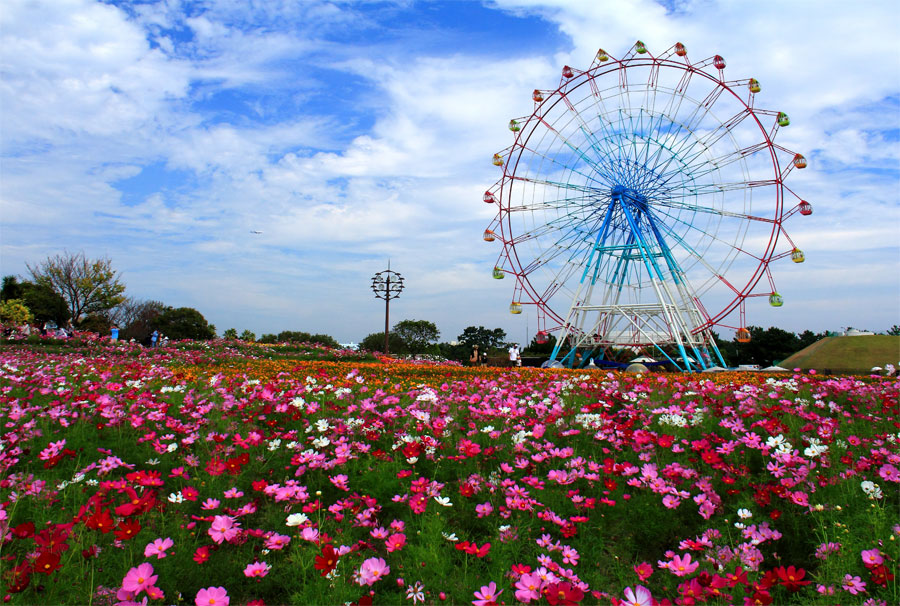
column 847, row 355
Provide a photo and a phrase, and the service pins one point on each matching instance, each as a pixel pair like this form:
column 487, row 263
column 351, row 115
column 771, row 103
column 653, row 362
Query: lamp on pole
column 387, row 285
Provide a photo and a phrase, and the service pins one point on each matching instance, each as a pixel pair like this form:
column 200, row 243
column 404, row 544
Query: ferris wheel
column 641, row 203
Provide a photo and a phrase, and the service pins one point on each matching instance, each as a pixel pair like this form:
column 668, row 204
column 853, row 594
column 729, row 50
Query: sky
column 161, row 135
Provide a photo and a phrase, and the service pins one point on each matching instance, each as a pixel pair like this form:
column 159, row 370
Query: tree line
column 72, row 292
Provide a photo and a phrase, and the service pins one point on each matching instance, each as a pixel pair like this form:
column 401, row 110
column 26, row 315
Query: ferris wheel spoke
column 735, row 246
column 696, row 208
column 710, row 188
column 699, row 257
column 559, row 184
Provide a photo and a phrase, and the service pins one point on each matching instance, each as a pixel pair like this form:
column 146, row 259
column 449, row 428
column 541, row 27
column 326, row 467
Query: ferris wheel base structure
column 601, row 328
column 639, row 193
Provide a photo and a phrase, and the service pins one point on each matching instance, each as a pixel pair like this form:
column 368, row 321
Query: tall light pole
column 387, row 285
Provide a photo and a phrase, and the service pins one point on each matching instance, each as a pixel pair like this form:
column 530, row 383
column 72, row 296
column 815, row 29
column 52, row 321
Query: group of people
column 49, row 329
column 479, row 358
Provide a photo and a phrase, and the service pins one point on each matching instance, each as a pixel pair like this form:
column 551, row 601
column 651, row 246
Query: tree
column 767, row 346
column 135, row 318
column 375, row 342
column 484, row 338
column 88, row 286
column 417, row 334
column 42, row 301
column 894, row 331
column 14, row 312
column 12, row 289
column 183, row 323
column 296, row 336
column 248, row 335
column 230, row 333
column 541, row 349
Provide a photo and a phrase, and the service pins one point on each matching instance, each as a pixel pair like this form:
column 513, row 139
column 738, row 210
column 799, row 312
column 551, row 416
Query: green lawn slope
column 847, row 355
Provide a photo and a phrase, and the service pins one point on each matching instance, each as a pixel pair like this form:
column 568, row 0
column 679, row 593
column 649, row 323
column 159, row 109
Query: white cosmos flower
column 445, row 501
column 176, row 497
column 450, row 537
column 296, row 519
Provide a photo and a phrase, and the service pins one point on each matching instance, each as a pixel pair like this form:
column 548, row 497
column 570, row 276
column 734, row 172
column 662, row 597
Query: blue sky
column 160, row 134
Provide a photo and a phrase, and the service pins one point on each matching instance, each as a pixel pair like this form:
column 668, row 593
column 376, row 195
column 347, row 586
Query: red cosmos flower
column 563, row 593
column 127, row 529
column 474, row 549
column 23, row 531
column 327, row 561
column 520, row 569
column 100, row 520
column 610, row 484
column 52, row 539
column 136, row 505
column 189, row 493
column 145, row 478
column 760, row 597
column 234, row 465
column 19, row 578
column 881, row 574
column 202, row 554
column 791, row 578
column 46, row 563
column 568, row 530
column 739, row 576
column 259, row 485
column 466, row 490
column 215, row 467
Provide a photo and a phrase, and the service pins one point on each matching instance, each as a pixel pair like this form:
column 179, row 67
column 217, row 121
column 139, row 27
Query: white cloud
column 346, row 148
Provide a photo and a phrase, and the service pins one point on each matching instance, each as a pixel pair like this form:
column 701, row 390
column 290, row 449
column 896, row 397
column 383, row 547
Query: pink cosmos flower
column 528, row 588
column 396, row 542
column 889, row 473
column 373, row 570
column 309, row 534
column 158, row 548
column 488, row 595
column 681, row 567
column 639, row 596
column 871, row 557
column 223, row 528
column 484, row 509
column 257, row 570
column 277, row 541
column 854, row 584
column 139, row 578
column 210, row 504
column 212, row 596
column 671, row 502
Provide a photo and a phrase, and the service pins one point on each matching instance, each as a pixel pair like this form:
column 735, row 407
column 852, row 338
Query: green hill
column 847, row 355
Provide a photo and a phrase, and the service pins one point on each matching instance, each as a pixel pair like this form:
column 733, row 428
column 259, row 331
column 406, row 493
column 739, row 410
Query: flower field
column 210, row 476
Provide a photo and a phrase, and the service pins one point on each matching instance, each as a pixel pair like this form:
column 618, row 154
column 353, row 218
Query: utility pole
column 387, row 285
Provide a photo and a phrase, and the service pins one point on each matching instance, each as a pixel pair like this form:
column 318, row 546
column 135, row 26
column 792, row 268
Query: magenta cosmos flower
column 257, row 570
column 158, row 548
column 223, row 528
column 139, row 578
column 212, row 596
